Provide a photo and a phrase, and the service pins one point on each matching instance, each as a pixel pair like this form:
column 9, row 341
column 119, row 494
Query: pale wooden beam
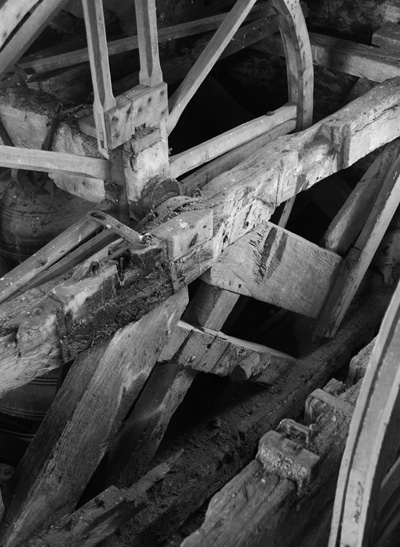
column 215, row 147
column 12, row 13
column 256, row 264
column 358, row 259
column 48, row 162
column 207, row 60
column 146, row 20
column 85, row 416
column 29, row 31
column 350, row 219
column 100, row 69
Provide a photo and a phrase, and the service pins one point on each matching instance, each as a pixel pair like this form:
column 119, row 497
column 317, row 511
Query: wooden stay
column 110, row 296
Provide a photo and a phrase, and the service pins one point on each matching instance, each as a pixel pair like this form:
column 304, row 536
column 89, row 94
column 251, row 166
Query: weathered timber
column 208, row 150
column 28, row 32
column 341, row 55
column 165, row 389
column 48, row 59
column 238, row 200
column 203, row 471
column 207, row 60
column 350, row 219
column 45, row 257
column 355, row 264
column 205, row 174
column 214, row 352
column 278, row 267
column 42, row 160
column 11, row 14
column 27, row 118
column 387, row 37
column 279, row 489
column 359, row 363
column 100, row 517
column 86, row 414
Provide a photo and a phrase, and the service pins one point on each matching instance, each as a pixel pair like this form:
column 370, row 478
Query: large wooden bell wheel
column 114, row 127
column 367, row 503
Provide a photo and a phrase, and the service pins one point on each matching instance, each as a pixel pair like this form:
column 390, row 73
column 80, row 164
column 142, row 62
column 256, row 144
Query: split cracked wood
column 85, row 416
column 252, row 190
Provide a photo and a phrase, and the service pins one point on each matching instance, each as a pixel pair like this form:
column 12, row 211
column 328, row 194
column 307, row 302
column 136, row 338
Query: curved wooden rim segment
column 367, row 457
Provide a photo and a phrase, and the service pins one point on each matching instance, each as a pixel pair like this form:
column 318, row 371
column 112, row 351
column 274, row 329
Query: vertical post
column 98, row 55
column 146, row 22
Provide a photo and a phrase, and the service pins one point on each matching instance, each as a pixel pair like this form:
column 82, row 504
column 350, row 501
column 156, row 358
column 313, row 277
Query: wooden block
column 84, row 418
column 359, row 363
column 184, row 231
column 276, row 266
column 387, row 37
column 287, row 459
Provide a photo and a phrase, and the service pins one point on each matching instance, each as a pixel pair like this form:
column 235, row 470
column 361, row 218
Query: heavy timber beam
column 98, row 392
column 233, row 204
column 278, row 267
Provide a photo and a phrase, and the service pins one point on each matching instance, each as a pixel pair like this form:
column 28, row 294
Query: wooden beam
column 12, row 12
column 268, row 496
column 350, row 219
column 46, row 256
column 42, row 160
column 85, row 416
column 230, row 159
column 47, row 60
column 29, row 31
column 210, row 351
column 352, row 58
column 354, row 266
column 238, row 201
column 207, row 60
column 278, row 267
column 146, row 20
column 100, row 69
column 215, row 147
column 100, row 517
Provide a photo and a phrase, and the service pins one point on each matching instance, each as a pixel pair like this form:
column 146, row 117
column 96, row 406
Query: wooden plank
column 12, row 13
column 99, row 518
column 42, row 160
column 146, row 21
column 350, row 219
column 85, row 416
column 359, row 60
column 27, row 34
column 355, row 264
column 207, row 60
column 257, row 264
column 239, row 200
column 215, row 147
column 47, row 60
column 210, row 351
